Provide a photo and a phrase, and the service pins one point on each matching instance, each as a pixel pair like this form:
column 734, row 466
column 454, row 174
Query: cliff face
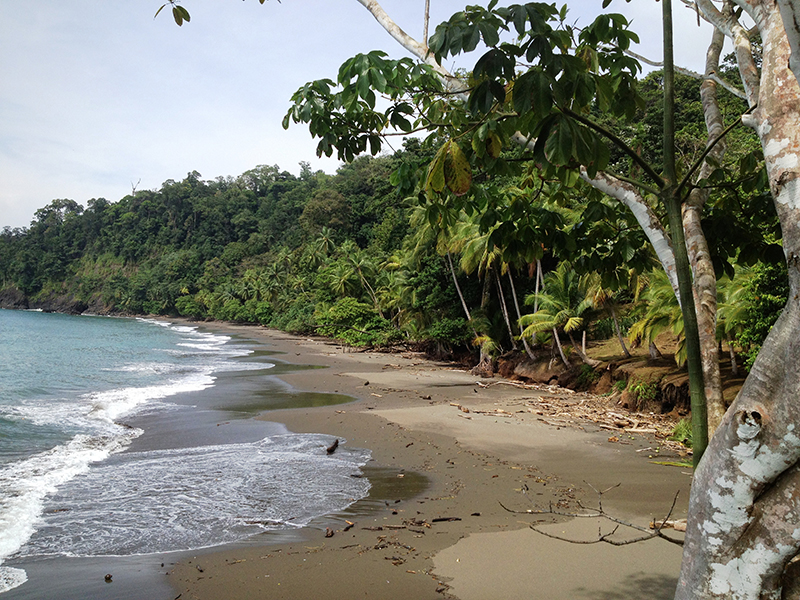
column 11, row 297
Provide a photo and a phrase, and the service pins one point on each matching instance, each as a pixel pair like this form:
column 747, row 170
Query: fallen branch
column 654, row 531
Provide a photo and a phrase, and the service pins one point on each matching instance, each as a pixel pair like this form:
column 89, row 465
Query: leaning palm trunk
column 618, row 329
column 557, row 341
column 589, row 361
column 460, row 294
column 539, row 284
column 527, row 347
column 653, row 350
column 501, row 296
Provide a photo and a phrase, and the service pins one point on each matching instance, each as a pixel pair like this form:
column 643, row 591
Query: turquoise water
column 70, row 483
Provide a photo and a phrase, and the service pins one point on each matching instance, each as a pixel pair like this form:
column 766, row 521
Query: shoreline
column 476, row 447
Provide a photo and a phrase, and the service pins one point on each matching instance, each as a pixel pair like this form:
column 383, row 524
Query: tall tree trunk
column 501, row 296
column 618, row 329
column 460, row 294
column 744, row 508
column 527, row 347
column 732, row 352
column 539, row 283
column 672, row 203
column 557, row 341
column 705, row 279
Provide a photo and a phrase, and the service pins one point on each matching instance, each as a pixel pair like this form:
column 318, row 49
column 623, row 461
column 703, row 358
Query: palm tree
column 606, row 299
column 364, row 267
column 562, row 306
column 341, row 278
column 663, row 313
column 479, row 254
column 427, row 237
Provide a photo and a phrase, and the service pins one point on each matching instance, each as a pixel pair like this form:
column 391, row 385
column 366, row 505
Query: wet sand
column 434, row 525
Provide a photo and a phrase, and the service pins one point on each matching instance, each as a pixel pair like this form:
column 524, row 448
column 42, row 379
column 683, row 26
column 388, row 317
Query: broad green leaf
column 560, row 145
column 471, row 38
column 481, row 99
column 490, row 35
column 478, row 146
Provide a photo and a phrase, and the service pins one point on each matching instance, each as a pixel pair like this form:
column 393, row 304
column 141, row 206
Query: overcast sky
column 97, row 96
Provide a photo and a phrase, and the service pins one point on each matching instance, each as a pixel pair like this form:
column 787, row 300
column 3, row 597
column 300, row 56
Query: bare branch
column 599, row 513
column 426, row 22
column 689, row 73
column 420, row 50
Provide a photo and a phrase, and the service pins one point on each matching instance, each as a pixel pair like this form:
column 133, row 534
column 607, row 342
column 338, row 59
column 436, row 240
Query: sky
column 98, row 98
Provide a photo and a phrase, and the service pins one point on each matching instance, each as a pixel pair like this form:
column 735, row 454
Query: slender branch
column 639, row 184
column 426, row 22
column 599, row 513
column 689, row 73
column 698, row 163
column 618, row 142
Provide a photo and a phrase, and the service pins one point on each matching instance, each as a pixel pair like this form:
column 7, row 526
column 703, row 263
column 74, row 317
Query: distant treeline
column 314, row 252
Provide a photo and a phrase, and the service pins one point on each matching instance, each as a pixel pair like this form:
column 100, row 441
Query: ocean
column 110, row 446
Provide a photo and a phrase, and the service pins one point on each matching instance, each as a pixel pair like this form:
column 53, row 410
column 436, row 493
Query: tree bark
column 618, row 329
column 586, row 360
column 501, row 296
column 744, row 508
column 732, row 352
column 705, row 279
column 458, row 289
column 557, row 341
column 525, row 344
column 655, row 353
column 539, row 284
column 671, row 200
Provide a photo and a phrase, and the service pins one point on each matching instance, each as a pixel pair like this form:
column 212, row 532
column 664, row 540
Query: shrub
column 586, row 377
column 449, row 331
column 188, row 306
column 682, row 432
column 645, row 391
column 355, row 324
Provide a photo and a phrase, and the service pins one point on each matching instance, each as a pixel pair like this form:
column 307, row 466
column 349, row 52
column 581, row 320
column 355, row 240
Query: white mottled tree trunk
column 744, row 511
column 705, row 279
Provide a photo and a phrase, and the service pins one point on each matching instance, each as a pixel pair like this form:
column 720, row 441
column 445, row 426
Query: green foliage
column 449, row 331
column 645, row 391
column 662, row 313
column 586, row 377
column 354, row 323
column 682, row 432
column 188, row 306
column 562, row 306
column 766, row 294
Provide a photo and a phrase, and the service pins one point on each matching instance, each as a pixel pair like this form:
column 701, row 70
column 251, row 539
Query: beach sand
column 448, row 449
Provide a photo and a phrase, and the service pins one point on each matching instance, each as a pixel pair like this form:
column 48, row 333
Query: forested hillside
column 265, row 247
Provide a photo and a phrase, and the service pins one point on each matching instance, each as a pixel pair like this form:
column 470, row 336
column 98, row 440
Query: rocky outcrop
column 12, row 297
column 61, row 304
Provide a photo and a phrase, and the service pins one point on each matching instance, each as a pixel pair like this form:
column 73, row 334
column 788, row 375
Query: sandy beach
column 451, row 455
